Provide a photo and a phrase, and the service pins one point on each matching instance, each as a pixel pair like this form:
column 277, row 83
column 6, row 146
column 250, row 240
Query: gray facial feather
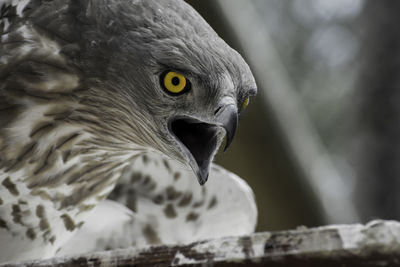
column 135, row 43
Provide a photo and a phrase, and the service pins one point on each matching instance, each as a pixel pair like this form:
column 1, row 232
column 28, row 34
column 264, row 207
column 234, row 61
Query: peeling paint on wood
column 374, row 244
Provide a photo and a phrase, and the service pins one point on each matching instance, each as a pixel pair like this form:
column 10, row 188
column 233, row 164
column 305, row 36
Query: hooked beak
column 199, row 140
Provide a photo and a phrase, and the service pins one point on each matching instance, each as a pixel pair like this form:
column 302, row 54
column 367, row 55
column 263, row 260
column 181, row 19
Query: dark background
column 320, row 143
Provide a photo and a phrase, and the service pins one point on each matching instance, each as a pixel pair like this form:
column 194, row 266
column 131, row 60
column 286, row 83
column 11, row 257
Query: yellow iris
column 174, row 82
column 245, row 103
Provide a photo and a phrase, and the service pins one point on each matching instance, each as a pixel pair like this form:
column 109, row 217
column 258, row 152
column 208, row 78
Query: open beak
column 200, row 139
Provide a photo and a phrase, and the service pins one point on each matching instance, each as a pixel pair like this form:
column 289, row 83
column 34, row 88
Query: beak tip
column 202, row 176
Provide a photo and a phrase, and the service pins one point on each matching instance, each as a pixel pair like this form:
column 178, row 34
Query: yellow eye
column 245, row 103
column 174, row 83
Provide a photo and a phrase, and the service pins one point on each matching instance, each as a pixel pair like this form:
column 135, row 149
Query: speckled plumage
column 81, row 109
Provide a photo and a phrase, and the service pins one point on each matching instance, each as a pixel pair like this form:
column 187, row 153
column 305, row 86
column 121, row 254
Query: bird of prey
column 111, row 112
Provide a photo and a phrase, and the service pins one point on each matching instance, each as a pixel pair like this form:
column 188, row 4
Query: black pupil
column 175, row 81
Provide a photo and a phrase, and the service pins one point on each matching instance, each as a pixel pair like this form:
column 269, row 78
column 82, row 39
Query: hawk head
column 142, row 74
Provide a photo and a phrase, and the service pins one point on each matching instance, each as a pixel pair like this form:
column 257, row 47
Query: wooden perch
column 374, row 244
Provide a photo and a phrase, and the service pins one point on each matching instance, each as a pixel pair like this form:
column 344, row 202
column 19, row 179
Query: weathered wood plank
column 374, row 244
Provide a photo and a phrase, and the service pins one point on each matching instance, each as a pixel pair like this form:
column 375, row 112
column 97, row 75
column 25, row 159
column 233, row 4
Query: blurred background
column 320, row 144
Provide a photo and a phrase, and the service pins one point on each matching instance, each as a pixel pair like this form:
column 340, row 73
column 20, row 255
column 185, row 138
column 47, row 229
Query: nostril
column 217, row 110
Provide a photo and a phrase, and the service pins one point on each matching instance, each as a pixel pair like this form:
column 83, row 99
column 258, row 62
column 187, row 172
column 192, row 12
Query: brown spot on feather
column 41, row 128
column 150, row 235
column 145, row 159
column 166, row 164
column 47, row 162
column 198, row 204
column 68, row 222
column 16, row 165
column 192, row 216
column 80, row 224
column 131, row 201
column 185, row 200
column 16, row 214
column 46, row 235
column 177, row 175
column 40, row 212
column 169, row 211
column 158, row 199
column 172, row 193
column 43, row 223
column 52, row 239
column 67, row 141
column 136, row 177
column 22, row 202
column 27, row 151
column 31, row 234
column 65, row 155
column 146, row 180
column 11, row 187
column 213, row 202
column 84, row 208
column 3, row 224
